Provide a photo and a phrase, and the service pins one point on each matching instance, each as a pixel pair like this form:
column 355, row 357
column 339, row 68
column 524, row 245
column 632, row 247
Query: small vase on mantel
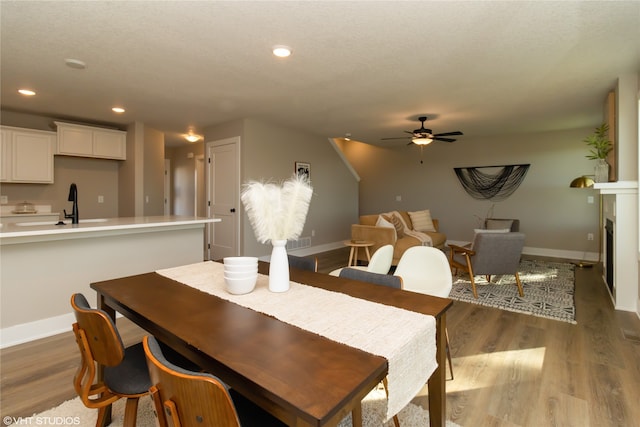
column 601, row 171
column 279, row 267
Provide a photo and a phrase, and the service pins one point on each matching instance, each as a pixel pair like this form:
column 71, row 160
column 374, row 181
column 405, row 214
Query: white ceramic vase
column 279, row 267
column 601, row 171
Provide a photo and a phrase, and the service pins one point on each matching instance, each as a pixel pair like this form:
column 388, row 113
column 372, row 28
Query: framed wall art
column 303, row 169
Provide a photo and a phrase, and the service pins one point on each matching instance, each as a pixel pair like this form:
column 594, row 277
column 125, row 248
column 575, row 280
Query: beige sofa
column 367, row 230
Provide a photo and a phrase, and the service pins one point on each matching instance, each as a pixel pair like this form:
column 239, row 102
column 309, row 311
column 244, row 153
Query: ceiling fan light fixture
column 191, row 137
column 422, row 141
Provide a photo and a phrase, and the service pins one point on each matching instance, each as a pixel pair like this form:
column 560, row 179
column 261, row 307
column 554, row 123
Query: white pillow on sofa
column 421, row 221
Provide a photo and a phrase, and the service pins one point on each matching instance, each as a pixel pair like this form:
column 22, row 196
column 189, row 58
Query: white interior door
column 223, row 194
column 167, row 186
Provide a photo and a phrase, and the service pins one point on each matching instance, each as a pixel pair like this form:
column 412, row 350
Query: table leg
column 106, row 420
column 436, row 384
column 351, row 252
column 356, row 415
column 366, row 249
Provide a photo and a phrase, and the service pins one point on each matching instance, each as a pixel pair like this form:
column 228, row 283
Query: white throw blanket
column 406, row 339
column 424, row 239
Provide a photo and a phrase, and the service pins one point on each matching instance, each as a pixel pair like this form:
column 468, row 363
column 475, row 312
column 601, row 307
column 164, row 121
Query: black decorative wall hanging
column 497, row 185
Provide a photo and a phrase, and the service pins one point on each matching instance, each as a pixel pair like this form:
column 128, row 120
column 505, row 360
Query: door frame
column 209, row 178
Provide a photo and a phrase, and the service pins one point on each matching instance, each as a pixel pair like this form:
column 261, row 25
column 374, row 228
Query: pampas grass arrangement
column 277, row 212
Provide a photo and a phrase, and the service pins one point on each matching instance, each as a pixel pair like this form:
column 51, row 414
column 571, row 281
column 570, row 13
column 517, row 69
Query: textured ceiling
column 366, row 68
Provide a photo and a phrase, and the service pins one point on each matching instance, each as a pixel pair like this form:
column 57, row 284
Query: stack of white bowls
column 240, row 274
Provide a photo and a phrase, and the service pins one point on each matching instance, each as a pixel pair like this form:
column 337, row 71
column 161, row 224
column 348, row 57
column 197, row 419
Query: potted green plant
column 600, row 146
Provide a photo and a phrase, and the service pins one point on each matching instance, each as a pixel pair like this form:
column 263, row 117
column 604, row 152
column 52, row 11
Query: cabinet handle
column 232, row 210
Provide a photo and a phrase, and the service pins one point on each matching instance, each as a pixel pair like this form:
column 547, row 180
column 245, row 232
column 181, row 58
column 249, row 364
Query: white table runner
column 406, row 339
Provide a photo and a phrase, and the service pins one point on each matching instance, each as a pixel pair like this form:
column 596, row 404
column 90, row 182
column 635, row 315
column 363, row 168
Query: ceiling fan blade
column 449, row 133
column 436, row 138
column 387, row 139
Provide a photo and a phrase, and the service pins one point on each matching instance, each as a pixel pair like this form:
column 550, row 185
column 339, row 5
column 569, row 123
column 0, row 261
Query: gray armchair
column 501, row 223
column 490, row 253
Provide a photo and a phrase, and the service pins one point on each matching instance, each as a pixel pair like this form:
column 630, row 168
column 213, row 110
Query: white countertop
column 34, row 230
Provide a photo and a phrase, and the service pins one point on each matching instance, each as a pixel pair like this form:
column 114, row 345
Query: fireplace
column 609, row 253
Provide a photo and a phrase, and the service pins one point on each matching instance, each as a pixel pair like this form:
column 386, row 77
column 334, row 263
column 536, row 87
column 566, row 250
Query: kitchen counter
column 32, row 231
column 42, row 265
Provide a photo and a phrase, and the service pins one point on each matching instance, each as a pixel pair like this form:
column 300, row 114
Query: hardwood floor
column 510, row 369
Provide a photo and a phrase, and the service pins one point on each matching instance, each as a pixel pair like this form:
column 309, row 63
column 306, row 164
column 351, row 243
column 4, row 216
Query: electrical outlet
column 398, row 198
column 100, row 199
column 313, row 233
column 589, row 236
column 590, row 200
column 4, row 200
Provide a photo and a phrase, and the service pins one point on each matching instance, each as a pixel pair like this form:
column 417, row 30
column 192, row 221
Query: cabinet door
column 32, row 157
column 75, row 141
column 109, row 144
column 5, row 156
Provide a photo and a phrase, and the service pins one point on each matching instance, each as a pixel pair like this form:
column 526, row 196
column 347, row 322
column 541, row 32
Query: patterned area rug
column 74, row 413
column 548, row 290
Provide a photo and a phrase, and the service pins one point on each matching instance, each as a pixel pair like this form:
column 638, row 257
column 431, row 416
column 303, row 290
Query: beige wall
column 268, row 152
column 552, row 215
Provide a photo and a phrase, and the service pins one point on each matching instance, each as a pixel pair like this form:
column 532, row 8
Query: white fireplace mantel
column 620, row 205
column 619, row 187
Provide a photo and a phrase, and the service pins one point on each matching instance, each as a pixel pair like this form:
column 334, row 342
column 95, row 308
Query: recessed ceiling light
column 76, row 64
column 118, row 110
column 281, row 51
column 26, row 92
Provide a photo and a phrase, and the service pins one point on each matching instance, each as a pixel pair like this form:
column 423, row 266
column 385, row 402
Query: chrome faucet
column 73, row 197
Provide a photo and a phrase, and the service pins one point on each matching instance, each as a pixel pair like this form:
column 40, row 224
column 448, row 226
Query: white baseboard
column 26, row 332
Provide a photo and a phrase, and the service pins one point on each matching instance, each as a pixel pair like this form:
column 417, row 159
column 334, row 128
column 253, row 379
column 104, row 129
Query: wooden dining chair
column 125, row 369
column 185, row 398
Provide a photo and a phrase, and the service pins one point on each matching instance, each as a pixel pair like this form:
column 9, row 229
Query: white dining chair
column 380, row 262
column 426, row 270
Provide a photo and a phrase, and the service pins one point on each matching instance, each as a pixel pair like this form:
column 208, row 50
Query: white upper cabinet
column 26, row 155
column 88, row 141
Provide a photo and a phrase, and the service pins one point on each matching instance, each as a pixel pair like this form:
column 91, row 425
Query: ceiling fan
column 425, row 136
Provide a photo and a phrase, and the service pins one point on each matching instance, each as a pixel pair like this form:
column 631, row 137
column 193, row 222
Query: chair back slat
column 188, row 399
column 102, row 336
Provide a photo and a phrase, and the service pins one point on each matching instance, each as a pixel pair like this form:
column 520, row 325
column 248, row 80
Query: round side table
column 353, row 253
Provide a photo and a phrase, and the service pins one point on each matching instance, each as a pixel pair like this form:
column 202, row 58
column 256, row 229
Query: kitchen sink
column 67, row 222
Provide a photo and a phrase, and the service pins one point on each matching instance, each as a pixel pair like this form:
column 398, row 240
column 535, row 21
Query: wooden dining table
column 300, row 377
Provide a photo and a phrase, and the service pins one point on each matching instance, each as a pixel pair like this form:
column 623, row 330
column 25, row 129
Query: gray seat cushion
column 131, row 376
